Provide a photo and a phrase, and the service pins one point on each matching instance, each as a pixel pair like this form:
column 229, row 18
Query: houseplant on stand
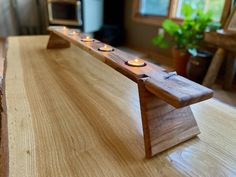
column 185, row 37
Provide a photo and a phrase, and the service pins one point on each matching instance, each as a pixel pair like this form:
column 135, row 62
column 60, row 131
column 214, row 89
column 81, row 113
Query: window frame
column 157, row 20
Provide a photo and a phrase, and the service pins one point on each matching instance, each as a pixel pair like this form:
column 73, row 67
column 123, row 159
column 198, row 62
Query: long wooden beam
column 164, row 100
column 177, row 91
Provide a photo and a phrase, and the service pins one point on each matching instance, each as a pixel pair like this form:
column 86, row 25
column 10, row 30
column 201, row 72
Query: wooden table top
column 70, row 115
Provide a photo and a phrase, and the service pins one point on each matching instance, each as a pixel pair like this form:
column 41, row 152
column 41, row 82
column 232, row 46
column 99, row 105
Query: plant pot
column 198, row 66
column 180, row 60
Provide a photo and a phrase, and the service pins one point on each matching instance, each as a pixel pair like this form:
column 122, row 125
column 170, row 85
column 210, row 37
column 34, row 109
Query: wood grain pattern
column 178, row 92
column 164, row 126
column 78, row 122
column 55, row 41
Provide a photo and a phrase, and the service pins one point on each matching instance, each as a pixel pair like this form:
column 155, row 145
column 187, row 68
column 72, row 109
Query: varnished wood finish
column 176, row 91
column 163, row 125
column 56, row 42
column 94, row 139
column 66, row 117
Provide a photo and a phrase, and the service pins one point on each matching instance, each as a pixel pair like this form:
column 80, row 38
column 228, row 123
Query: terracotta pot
column 180, row 60
column 197, row 66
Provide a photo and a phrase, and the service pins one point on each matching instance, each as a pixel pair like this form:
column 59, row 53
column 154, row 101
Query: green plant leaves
column 190, row 32
column 170, row 27
column 160, row 41
column 187, row 10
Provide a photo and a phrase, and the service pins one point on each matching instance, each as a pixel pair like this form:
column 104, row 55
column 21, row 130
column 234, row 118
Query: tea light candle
column 73, row 33
column 106, row 48
column 64, row 28
column 136, row 63
column 87, row 39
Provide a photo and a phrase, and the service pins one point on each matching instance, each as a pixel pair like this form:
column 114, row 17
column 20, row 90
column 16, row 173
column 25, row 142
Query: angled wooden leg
column 57, row 42
column 164, row 126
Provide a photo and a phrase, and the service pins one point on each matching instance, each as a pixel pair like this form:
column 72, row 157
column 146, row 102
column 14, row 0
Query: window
column 215, row 6
column 154, row 7
column 155, row 11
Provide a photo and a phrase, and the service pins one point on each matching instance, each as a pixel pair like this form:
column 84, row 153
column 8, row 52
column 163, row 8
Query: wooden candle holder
column 167, row 119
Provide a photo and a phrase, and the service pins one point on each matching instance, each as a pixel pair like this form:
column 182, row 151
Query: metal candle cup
column 73, row 33
column 87, row 39
column 64, row 28
column 136, row 63
column 106, row 48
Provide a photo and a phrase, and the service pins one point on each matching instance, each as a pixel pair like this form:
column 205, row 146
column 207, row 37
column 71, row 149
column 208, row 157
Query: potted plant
column 185, row 37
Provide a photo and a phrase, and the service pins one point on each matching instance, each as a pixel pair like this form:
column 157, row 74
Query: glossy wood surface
column 177, row 91
column 78, row 122
column 164, row 126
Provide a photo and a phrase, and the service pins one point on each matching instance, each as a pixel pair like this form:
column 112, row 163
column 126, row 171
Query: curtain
column 23, row 17
column 8, row 24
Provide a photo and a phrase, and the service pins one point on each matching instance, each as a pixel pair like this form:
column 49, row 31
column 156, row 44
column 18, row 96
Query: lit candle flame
column 87, row 39
column 106, row 48
column 136, row 62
